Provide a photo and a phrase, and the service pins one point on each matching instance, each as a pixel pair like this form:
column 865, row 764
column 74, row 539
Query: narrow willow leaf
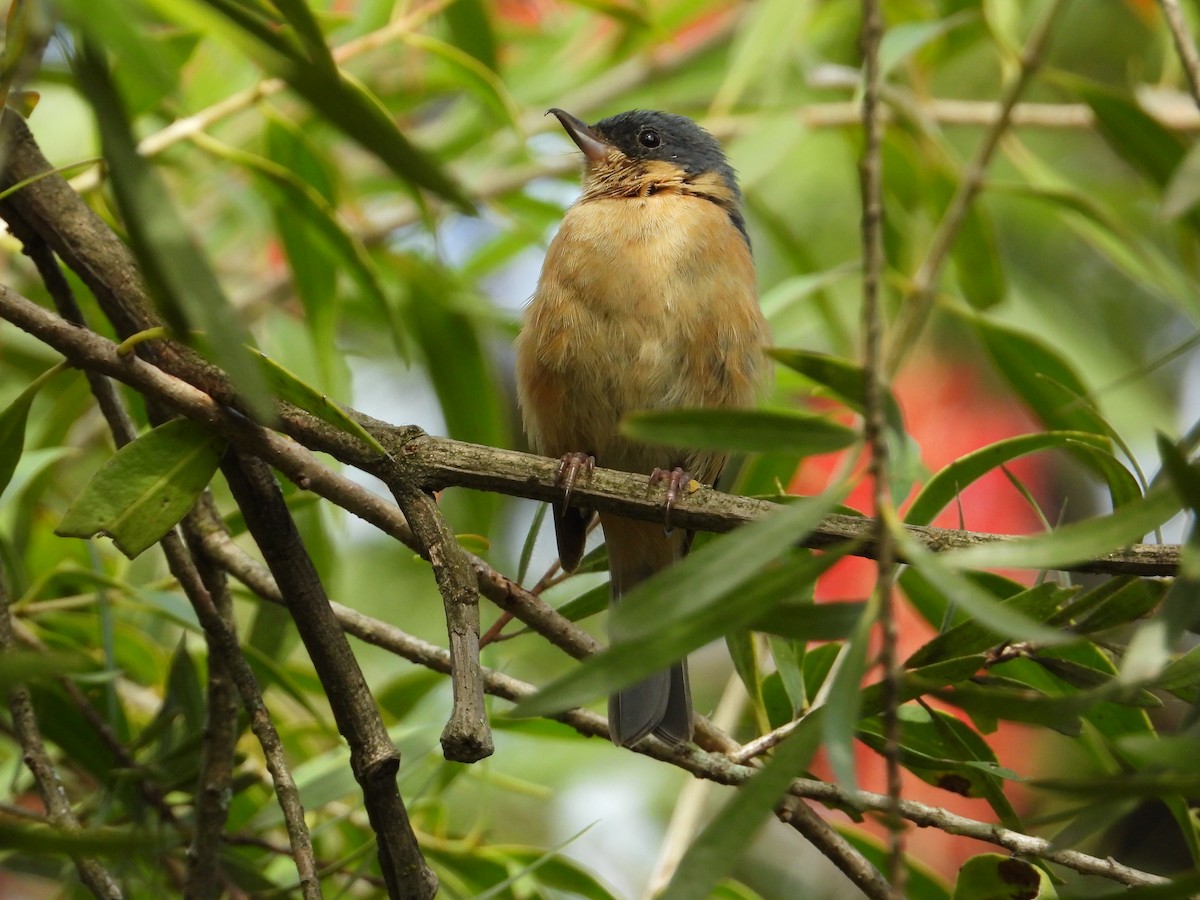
column 689, row 604
column 976, row 601
column 147, row 487
column 978, row 261
column 842, row 378
column 1000, row 877
column 474, row 76
column 287, row 386
column 1074, row 543
column 302, row 203
column 746, row 430
column 973, row 637
column 902, row 41
column 725, row 839
column 811, row 621
column 842, row 708
column 1137, row 137
column 943, row 487
column 175, row 268
column 334, row 94
column 1038, row 374
column 471, row 30
column 12, row 425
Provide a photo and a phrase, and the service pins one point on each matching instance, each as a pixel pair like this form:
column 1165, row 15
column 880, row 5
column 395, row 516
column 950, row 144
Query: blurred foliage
column 366, row 188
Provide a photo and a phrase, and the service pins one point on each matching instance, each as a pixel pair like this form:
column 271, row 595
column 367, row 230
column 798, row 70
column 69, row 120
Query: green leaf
column 943, row 487
column 725, row 839
column 993, row 876
column 973, row 637
column 842, row 378
column 333, row 93
column 473, row 75
column 921, row 883
column 472, row 31
column 13, row 421
column 1074, row 543
column 811, row 621
column 1136, row 136
column 962, row 592
column 688, row 605
column 175, row 269
column 287, row 386
column 1040, row 376
column 746, row 430
column 903, row 40
column 843, row 705
column 147, row 487
column 978, row 261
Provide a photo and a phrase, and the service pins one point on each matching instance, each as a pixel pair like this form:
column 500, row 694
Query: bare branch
column 45, row 776
column 439, row 462
column 467, row 736
column 716, row 767
column 875, row 427
column 373, row 758
column 920, row 296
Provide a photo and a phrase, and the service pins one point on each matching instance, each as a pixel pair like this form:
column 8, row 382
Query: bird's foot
column 678, row 484
column 569, row 467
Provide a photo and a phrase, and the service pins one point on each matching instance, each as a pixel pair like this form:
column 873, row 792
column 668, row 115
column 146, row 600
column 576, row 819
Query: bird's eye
column 649, row 138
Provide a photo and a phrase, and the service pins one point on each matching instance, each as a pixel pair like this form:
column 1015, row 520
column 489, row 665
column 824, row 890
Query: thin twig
column 875, row 428
column 223, row 644
column 1184, row 45
column 45, row 776
column 704, row 764
column 924, row 283
column 467, row 736
column 441, row 462
column 374, row 759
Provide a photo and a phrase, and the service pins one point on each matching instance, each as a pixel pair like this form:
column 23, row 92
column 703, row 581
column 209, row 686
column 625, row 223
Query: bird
column 647, row 300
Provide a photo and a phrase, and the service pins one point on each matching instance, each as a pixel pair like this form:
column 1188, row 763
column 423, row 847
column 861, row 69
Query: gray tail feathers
column 662, row 703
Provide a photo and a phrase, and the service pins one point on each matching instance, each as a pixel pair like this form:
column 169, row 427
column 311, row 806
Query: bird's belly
column 642, row 306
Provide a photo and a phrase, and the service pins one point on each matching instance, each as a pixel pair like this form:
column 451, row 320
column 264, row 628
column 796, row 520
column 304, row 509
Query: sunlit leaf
column 174, row 267
column 147, row 487
column 999, row 877
column 12, row 425
column 725, row 838
column 749, row 430
column 287, row 386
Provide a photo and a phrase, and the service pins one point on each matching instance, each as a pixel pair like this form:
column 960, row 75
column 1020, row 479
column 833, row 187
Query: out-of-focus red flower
column 950, row 410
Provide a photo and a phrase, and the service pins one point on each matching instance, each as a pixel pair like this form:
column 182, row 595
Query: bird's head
column 641, row 153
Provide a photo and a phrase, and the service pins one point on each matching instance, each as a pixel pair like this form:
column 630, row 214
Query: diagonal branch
column 434, row 463
column 45, row 776
column 467, row 736
column 373, row 758
column 924, row 285
column 717, row 767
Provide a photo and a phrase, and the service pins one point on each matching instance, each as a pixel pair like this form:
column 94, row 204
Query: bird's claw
column 569, row 467
column 677, row 480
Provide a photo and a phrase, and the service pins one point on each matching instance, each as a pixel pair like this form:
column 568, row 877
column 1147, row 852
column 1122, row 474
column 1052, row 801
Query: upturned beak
column 594, row 147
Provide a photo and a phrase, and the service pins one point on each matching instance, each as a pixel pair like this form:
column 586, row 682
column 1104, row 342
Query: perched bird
column 647, row 300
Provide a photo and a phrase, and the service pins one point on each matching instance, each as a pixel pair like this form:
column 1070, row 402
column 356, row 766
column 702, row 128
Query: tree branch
column 45, row 776
column 373, row 758
column 716, row 767
column 466, row 737
column 439, row 462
